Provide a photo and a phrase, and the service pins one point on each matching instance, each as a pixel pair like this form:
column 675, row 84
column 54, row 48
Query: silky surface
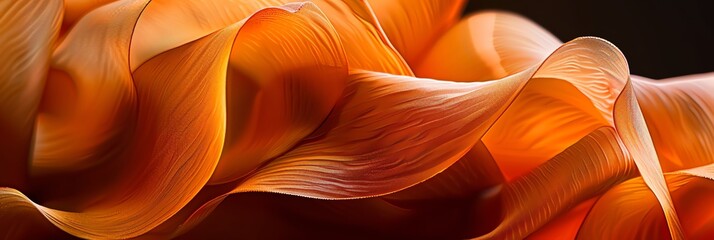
column 279, row 119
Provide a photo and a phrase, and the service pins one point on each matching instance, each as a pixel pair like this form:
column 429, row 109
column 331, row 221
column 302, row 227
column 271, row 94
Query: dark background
column 660, row 38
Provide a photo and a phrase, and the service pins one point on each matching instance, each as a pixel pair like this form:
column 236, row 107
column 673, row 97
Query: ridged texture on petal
column 286, row 73
column 566, row 225
column 318, row 73
column 178, row 140
column 28, row 30
column 368, row 80
column 655, row 100
column 680, row 117
column 634, row 134
column 156, row 31
column 273, row 118
column 20, row 218
column 90, row 100
column 365, row 43
column 584, row 170
column 475, row 174
column 413, row 26
column 487, row 45
column 615, row 97
column 335, row 163
column 571, row 94
column 368, row 147
column 76, row 9
column 630, row 211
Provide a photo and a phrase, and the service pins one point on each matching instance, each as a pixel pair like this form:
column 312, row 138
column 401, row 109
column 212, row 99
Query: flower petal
column 487, row 45
column 87, row 111
column 334, row 163
column 630, row 211
column 413, row 26
column 385, row 109
column 599, row 72
column 21, row 219
column 180, row 125
column 29, row 29
column 582, row 171
column 74, row 10
column 366, row 45
column 566, row 225
column 634, row 134
column 302, row 176
column 680, row 116
column 474, row 175
column 156, row 30
column 286, row 73
column 297, row 23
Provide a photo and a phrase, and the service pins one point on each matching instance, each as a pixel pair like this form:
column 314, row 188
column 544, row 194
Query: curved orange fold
column 160, row 119
column 28, row 33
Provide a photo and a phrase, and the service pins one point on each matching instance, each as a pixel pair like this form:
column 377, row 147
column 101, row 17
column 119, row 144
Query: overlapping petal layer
column 204, row 119
column 413, row 26
column 29, row 30
column 275, row 100
column 88, row 110
column 634, row 213
column 491, row 44
column 680, row 116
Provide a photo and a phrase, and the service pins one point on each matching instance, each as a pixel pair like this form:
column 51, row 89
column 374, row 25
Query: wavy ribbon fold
column 162, row 119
